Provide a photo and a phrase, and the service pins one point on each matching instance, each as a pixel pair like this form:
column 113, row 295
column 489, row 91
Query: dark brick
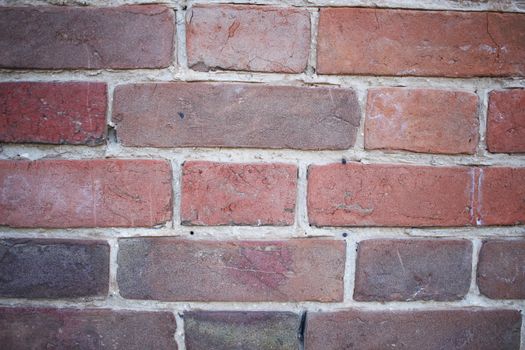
column 52, row 37
column 389, row 270
column 501, row 269
column 39, row 328
column 222, row 330
column 85, row 193
column 414, row 330
column 235, row 115
column 47, row 268
column 57, row 113
column 171, row 269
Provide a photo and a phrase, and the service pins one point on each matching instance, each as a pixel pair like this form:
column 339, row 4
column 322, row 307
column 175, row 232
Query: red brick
column 475, row 329
column 506, row 121
column 390, row 270
column 171, row 269
column 52, row 37
column 420, row 43
column 356, row 194
column 84, row 193
column 501, row 196
column 235, row 115
column 50, row 268
column 238, row 194
column 223, row 330
column 422, row 120
column 246, row 37
column 501, row 269
column 43, row 328
column 57, row 113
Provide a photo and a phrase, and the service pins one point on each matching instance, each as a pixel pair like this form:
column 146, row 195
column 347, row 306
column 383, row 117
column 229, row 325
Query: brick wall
column 299, row 174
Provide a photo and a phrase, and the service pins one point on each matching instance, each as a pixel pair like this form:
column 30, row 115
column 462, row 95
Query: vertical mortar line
column 522, row 335
column 176, row 170
column 350, row 268
column 113, row 267
column 362, row 98
column 182, row 58
column 311, row 67
column 476, row 247
column 483, row 110
column 301, row 210
column 179, row 333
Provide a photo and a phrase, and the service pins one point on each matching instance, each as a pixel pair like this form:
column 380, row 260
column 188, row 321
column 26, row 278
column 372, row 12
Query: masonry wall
column 275, row 175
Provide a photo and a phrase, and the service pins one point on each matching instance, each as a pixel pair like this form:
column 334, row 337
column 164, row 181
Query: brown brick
column 223, row 330
column 85, row 193
column 49, row 268
column 422, row 120
column 501, row 196
column 420, row 43
column 501, row 269
column 51, row 37
column 476, row 329
column 39, row 328
column 179, row 270
column 506, row 121
column 238, row 194
column 246, row 37
column 389, row 270
column 235, row 115
column 57, row 113
column 356, row 194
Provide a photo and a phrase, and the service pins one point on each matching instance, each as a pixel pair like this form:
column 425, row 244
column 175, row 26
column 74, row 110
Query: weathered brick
column 422, row 120
column 51, row 37
column 506, row 121
column 84, row 193
column 48, row 268
column 476, row 329
column 43, row 328
column 420, row 43
column 186, row 270
column 501, row 196
column 238, row 194
column 246, row 37
column 389, row 270
column 235, row 115
column 57, row 113
column 501, row 269
column 223, row 330
column 356, row 194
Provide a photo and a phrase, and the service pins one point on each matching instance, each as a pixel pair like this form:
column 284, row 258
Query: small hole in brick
column 343, row 161
column 192, row 233
column 345, row 234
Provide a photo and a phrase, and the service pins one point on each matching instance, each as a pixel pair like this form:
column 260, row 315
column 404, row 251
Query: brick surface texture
column 300, row 174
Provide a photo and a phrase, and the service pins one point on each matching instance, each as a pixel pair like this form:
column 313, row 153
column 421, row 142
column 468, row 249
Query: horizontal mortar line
column 118, row 303
column 422, row 5
column 171, row 74
column 268, row 233
column 236, row 155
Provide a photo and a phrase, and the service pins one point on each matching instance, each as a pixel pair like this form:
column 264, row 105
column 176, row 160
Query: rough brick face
column 235, row 115
column 39, row 328
column 238, row 194
column 506, row 121
column 84, row 193
column 241, row 330
column 422, row 120
column 51, row 37
column 244, row 37
column 420, row 43
column 414, row 330
column 501, row 269
column 389, row 195
column 390, row 270
column 56, row 113
column 184, row 270
column 501, row 196
column 46, row 268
